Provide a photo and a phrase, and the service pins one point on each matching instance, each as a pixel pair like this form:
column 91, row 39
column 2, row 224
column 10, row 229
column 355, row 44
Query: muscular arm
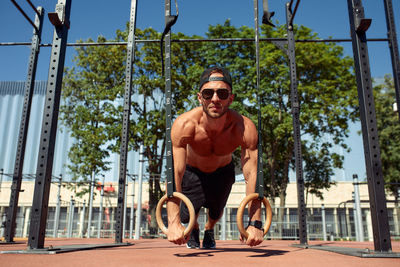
column 249, row 167
column 181, row 133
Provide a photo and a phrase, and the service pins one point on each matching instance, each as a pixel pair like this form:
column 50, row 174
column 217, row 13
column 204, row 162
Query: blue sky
column 91, row 18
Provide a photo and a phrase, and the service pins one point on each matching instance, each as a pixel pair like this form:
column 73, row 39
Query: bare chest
column 223, row 144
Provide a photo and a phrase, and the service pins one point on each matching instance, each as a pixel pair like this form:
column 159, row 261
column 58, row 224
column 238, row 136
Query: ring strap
column 266, row 19
column 170, row 20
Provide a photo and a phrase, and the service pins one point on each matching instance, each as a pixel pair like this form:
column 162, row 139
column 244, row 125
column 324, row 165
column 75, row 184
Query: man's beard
column 215, row 115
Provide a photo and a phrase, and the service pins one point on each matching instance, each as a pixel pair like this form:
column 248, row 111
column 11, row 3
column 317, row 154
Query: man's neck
column 214, row 126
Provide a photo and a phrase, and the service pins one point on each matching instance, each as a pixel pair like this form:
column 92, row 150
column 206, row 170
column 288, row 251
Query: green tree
column 149, row 127
column 93, row 95
column 90, row 90
column 326, row 87
column 389, row 134
column 318, row 170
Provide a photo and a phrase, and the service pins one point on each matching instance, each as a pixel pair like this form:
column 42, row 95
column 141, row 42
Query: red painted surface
column 159, row 252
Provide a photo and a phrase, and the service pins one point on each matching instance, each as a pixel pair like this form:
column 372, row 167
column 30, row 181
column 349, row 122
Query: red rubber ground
column 159, row 252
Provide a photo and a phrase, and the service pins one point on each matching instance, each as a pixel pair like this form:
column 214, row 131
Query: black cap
column 205, row 77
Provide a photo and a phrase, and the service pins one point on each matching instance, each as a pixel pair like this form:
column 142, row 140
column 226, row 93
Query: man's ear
column 199, row 97
column 231, row 98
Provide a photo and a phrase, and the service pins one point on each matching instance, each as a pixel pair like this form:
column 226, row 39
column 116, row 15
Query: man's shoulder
column 190, row 116
column 239, row 118
column 247, row 128
column 187, row 122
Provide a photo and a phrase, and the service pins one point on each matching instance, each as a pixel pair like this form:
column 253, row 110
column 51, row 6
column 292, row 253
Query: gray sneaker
column 194, row 240
column 208, row 240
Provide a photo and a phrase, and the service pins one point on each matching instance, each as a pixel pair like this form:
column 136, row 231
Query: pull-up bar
column 25, row 15
column 294, row 11
column 203, row 40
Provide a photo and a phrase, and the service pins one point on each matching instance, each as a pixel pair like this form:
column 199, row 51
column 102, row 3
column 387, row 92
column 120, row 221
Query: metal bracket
column 281, row 46
column 362, row 24
column 58, row 18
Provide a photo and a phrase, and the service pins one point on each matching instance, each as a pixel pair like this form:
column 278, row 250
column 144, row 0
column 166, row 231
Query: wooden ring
column 188, row 204
column 243, row 204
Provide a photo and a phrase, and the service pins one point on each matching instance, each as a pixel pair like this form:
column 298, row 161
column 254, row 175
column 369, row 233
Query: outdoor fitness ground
column 160, row 252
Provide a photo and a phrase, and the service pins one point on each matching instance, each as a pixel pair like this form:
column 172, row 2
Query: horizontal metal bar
column 201, row 40
column 33, row 7
column 294, row 12
column 24, row 14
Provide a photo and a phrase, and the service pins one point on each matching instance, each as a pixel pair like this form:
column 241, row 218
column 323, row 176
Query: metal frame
column 168, row 106
column 60, row 20
column 376, row 186
column 130, row 57
column 295, row 106
column 34, row 24
column 260, row 175
column 23, row 130
column 194, row 40
column 49, row 129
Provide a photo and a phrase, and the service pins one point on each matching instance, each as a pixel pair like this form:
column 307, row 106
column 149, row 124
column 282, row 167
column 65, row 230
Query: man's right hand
column 175, row 234
column 175, row 228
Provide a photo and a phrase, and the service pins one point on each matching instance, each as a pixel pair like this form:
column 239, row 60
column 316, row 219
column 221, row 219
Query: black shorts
column 209, row 190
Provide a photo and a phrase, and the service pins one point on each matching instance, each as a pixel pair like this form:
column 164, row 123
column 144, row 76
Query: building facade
column 11, row 105
column 330, row 218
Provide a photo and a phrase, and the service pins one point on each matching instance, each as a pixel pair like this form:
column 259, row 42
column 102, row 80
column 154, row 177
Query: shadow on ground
column 255, row 252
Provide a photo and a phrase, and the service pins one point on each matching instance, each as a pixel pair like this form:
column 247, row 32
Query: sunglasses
column 208, row 93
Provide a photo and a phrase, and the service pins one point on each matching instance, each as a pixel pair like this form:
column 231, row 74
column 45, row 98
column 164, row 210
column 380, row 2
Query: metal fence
column 322, row 223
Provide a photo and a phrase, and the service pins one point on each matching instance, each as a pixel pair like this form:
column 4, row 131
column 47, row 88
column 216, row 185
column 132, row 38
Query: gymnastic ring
column 242, row 206
column 188, row 204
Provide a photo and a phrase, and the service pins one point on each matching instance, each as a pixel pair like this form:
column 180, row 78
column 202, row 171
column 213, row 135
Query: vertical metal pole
column 27, row 213
column 26, row 221
column 139, row 201
column 71, row 216
column 296, row 130
column 89, row 230
column 125, row 207
column 82, row 220
column 394, row 49
column 99, row 223
column 57, row 215
column 168, row 104
column 132, row 210
column 223, row 225
column 355, row 219
column 347, row 222
column 369, row 128
column 358, row 208
column 3, row 219
column 1, row 177
column 23, row 130
column 130, row 57
column 323, row 222
column 260, row 179
column 44, row 168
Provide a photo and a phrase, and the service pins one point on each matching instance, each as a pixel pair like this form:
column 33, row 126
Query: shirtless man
column 203, row 141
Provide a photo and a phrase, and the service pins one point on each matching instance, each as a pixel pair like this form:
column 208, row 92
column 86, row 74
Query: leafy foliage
column 389, row 133
column 91, row 89
column 318, row 171
column 93, row 93
column 326, row 87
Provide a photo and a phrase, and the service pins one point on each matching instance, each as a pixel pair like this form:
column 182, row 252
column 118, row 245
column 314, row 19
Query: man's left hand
column 256, row 236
